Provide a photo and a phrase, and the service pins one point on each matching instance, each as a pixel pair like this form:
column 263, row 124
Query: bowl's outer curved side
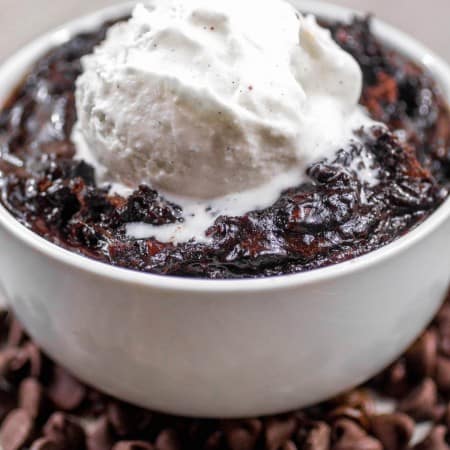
column 229, row 353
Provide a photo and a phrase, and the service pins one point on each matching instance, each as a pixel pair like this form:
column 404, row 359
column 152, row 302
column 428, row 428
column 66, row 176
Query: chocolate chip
column 100, row 436
column 64, row 430
column 439, row 412
column 168, row 439
column 16, row 430
column 421, row 356
column 435, row 440
column 348, row 412
column 240, row 439
column 31, row 397
column 315, row 436
column 127, row 419
column 420, row 403
column 443, row 316
column 65, row 391
column 289, row 445
column 444, row 344
column 35, row 358
column 196, row 432
column 395, row 383
column 46, row 444
column 443, row 322
column 14, row 364
column 4, row 325
column 347, row 435
column 446, row 416
column 7, row 403
column 393, row 430
column 358, row 399
column 17, row 363
column 242, row 434
column 214, row 441
column 96, row 403
column 278, row 430
column 133, row 445
column 16, row 333
column 443, row 374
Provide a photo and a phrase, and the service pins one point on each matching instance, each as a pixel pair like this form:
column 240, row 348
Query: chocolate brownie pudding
column 381, row 185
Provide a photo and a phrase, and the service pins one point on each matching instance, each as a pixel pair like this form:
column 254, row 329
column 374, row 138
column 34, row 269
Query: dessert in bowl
column 225, row 347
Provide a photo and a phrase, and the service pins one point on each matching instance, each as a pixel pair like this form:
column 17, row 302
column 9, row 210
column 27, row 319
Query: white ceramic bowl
column 225, row 348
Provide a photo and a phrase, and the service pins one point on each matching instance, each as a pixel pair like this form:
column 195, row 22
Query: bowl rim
column 15, row 67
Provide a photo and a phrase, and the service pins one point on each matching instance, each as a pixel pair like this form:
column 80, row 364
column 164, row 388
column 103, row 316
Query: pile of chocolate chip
column 43, row 407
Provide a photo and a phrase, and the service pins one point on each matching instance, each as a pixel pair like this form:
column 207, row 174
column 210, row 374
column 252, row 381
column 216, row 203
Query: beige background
column 21, row 20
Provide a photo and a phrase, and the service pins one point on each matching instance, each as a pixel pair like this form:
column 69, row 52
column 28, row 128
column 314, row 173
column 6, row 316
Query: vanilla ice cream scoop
column 206, row 98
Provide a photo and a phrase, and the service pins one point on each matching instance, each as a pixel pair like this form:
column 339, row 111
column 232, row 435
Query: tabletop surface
column 21, row 20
